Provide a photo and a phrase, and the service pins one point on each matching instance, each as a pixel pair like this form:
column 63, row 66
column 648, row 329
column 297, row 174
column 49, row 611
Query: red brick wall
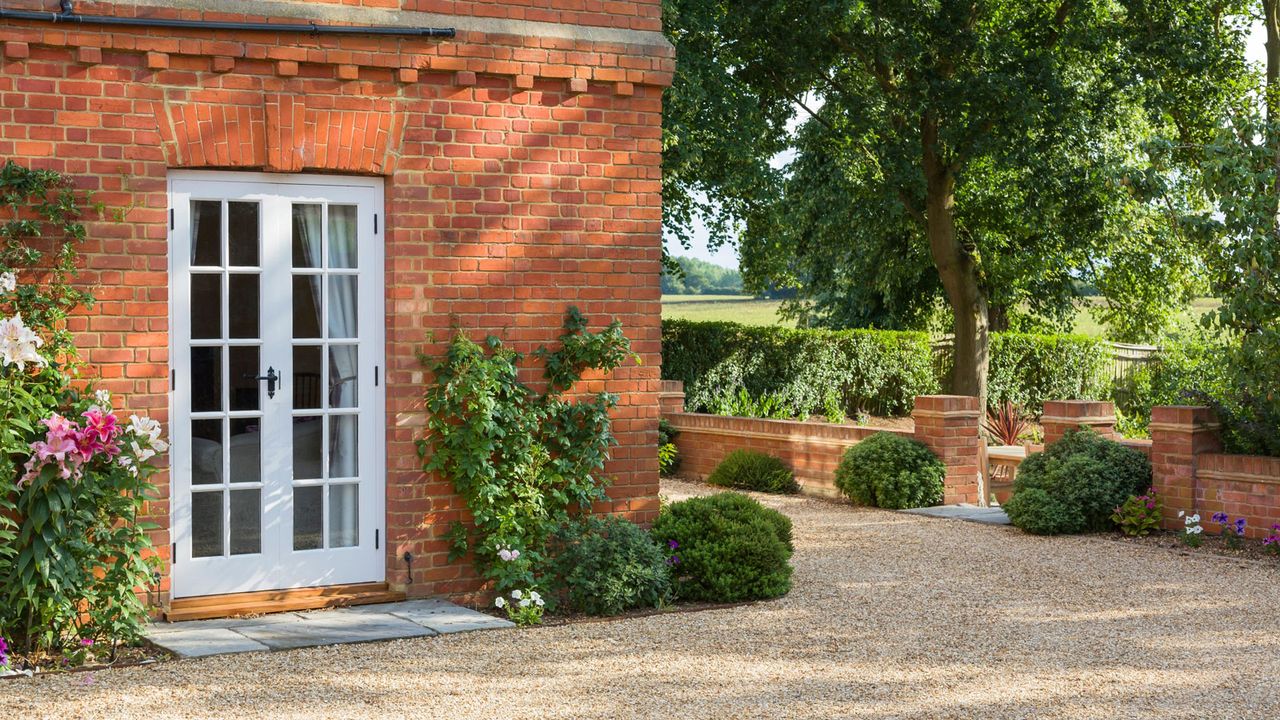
column 948, row 425
column 812, row 450
column 522, row 175
column 629, row 14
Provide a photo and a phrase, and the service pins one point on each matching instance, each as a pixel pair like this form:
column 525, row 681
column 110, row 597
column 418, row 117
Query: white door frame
column 278, row 566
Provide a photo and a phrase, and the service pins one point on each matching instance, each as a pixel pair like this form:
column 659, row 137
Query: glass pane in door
column 226, row 398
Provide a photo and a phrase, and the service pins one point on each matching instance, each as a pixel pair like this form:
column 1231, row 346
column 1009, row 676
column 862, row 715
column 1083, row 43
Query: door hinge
column 375, row 223
column 171, row 226
column 173, row 554
column 173, row 379
column 377, row 539
column 376, row 377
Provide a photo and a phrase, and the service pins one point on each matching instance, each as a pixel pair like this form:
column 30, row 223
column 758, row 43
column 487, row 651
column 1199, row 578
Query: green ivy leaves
column 522, row 460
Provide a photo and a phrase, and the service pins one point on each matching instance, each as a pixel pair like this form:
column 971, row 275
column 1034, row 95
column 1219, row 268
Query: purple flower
column 1151, row 505
column 673, row 560
column 673, row 544
column 4, row 652
column 1240, row 526
column 1221, row 517
column 86, row 642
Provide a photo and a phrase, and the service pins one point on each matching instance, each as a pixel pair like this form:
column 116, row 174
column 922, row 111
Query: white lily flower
column 103, row 397
column 8, row 282
column 19, row 343
column 517, row 594
column 524, row 603
column 500, row 602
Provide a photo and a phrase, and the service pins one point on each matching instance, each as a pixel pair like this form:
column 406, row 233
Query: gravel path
column 892, row 616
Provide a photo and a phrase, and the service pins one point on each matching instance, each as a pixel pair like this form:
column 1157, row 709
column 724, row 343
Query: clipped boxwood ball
column 891, row 471
column 726, row 548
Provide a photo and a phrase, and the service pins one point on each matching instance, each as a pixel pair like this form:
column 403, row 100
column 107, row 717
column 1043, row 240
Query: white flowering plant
column 1192, row 531
column 524, row 607
column 74, row 478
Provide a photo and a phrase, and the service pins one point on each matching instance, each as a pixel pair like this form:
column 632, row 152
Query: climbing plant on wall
column 524, row 460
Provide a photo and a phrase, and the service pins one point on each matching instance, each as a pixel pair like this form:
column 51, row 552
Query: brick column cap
column 962, row 405
column 1183, row 415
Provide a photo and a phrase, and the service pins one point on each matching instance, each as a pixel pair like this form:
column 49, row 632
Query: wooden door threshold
column 276, row 601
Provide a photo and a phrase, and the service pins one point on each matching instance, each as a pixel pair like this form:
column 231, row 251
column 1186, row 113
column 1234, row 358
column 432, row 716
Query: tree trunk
column 956, row 269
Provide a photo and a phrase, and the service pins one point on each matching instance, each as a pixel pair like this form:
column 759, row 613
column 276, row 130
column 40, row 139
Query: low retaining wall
column 1188, row 467
column 947, row 424
column 812, row 450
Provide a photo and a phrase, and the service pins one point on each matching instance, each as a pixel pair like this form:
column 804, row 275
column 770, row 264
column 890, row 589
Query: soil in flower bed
column 125, row 656
column 1252, row 549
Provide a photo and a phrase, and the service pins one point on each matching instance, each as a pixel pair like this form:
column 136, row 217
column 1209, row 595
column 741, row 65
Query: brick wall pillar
column 1178, row 434
column 948, row 425
column 671, row 397
column 1061, row 416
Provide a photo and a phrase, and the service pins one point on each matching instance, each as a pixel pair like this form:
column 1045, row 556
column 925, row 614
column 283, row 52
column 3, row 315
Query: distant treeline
column 702, row 278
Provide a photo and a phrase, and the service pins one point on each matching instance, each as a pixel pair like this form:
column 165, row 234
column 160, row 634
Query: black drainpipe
column 69, row 15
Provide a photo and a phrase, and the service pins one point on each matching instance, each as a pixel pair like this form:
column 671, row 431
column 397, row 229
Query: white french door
column 276, row 309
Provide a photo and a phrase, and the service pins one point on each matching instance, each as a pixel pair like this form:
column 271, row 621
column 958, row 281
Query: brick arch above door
column 281, row 134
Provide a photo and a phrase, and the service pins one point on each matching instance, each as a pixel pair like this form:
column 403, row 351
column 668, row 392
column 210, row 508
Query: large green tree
column 991, row 152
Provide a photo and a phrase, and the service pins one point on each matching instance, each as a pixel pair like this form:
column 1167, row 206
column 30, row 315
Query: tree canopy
column 699, row 277
column 992, row 153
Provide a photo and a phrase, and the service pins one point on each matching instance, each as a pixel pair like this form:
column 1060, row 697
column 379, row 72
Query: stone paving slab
column 334, row 631
column 965, row 511
column 203, row 642
column 286, row 631
column 439, row 615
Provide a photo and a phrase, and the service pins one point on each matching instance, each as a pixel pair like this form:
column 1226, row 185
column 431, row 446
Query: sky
column 727, row 254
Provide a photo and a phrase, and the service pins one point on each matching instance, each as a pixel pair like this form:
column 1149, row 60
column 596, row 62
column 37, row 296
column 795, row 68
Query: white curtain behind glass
column 343, row 372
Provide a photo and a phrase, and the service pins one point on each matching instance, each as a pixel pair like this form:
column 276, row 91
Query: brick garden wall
column 947, row 424
column 522, row 171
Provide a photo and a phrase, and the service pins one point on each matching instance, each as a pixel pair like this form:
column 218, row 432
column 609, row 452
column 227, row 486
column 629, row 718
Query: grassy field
column 750, row 311
column 735, row 308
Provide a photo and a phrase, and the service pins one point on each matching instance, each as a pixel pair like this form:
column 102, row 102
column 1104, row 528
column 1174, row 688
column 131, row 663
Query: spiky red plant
column 1006, row 423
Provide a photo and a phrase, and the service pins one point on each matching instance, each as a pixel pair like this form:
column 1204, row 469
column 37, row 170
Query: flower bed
column 75, row 561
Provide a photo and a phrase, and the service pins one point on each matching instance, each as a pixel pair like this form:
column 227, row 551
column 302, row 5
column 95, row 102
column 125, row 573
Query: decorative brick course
column 503, row 205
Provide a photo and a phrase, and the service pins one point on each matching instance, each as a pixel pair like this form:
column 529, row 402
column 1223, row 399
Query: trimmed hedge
column 806, row 370
column 873, row 371
column 1028, row 370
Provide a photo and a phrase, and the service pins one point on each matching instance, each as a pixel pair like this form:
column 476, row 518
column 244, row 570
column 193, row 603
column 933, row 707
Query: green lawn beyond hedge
column 871, row 371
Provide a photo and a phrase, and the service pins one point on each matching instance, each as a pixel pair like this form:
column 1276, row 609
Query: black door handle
column 271, row 377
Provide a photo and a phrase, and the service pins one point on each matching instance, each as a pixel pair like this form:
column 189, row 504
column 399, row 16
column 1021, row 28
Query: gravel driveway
column 891, row 616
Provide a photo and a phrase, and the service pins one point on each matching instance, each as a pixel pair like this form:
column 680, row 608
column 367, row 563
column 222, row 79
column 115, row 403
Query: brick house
column 311, row 204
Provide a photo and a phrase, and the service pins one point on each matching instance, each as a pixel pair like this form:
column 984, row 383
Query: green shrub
column 788, row 372
column 74, row 479
column 750, row 470
column 1076, row 484
column 1187, row 370
column 668, row 453
column 1028, row 370
column 800, row 372
column 726, row 548
column 608, row 565
column 891, row 471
